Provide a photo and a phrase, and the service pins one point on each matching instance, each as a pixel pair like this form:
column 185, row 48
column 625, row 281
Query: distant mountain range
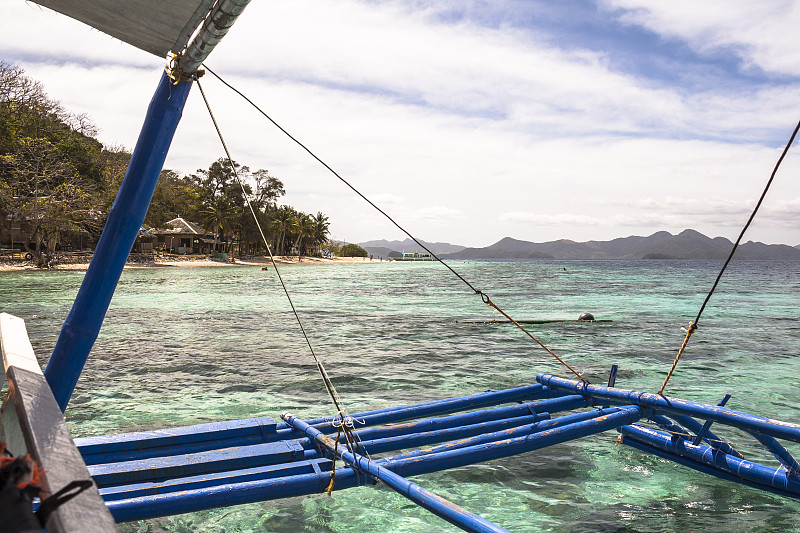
column 384, row 248
column 688, row 244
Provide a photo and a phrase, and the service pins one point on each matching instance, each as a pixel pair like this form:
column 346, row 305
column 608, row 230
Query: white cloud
column 474, row 71
column 386, row 199
column 463, row 133
column 437, row 213
column 762, row 34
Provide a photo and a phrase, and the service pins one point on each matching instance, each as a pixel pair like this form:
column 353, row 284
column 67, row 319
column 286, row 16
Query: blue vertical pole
column 83, row 323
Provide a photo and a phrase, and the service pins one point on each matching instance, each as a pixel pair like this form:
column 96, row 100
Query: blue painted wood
column 711, row 460
column 489, row 436
column 468, row 450
column 711, row 438
column 448, row 405
column 173, row 441
column 701, row 435
column 388, row 438
column 646, row 448
column 261, row 490
column 723, row 415
column 160, row 468
column 780, row 453
column 83, row 323
column 516, row 445
column 379, row 445
column 436, row 504
column 612, row 375
column 670, row 426
column 425, row 438
column 137, row 490
column 225, row 495
column 486, row 415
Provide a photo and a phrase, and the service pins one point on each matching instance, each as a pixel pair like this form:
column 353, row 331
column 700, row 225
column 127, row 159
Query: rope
column 333, row 465
column 749, row 220
column 490, row 303
column 176, row 73
column 693, row 325
column 480, row 293
column 692, row 328
column 334, row 396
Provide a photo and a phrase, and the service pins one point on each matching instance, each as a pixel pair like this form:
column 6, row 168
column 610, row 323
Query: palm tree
column 320, row 230
column 304, row 228
column 282, row 223
column 217, row 214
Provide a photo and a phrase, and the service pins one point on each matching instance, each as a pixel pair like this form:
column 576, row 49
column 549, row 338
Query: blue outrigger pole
column 82, row 326
column 83, row 323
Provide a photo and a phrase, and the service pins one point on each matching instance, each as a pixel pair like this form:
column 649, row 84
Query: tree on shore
column 352, row 250
column 58, row 183
column 320, row 229
column 51, row 169
column 328, row 248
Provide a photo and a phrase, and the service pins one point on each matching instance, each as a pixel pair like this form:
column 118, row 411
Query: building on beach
column 182, row 237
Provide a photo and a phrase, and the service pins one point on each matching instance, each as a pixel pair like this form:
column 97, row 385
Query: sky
column 469, row 121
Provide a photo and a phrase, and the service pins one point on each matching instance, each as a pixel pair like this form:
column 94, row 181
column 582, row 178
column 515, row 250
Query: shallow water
column 193, row 345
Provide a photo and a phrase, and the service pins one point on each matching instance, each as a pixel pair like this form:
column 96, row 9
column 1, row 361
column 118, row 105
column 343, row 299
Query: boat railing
column 32, row 424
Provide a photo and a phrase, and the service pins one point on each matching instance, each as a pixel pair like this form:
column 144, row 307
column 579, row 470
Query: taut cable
column 480, row 293
column 334, row 395
column 693, row 325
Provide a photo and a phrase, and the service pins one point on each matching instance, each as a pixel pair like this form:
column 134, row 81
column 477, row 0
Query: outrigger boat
column 157, row 473
column 415, row 256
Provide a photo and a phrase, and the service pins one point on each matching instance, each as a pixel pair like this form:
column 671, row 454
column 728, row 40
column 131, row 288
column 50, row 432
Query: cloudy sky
column 469, row 121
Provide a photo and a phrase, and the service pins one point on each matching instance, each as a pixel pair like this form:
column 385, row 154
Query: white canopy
column 155, row 26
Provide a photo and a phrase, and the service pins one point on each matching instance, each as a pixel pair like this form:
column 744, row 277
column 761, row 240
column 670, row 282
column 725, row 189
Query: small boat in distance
column 414, row 256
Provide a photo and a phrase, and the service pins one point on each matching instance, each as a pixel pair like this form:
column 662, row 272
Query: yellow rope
column 176, row 74
column 333, row 466
column 490, row 303
column 173, row 70
column 692, row 328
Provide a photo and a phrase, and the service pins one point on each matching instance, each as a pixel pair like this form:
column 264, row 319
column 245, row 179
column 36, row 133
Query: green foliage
column 49, row 169
column 352, row 250
column 58, row 184
column 330, row 248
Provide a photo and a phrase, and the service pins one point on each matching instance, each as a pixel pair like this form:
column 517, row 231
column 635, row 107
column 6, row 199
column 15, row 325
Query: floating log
column 526, row 321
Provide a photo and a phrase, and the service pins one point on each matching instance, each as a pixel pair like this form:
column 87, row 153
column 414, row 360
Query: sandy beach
column 202, row 262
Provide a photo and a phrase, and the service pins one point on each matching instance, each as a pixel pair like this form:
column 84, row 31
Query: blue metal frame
column 714, row 462
column 447, row 405
column 83, row 324
column 664, row 404
column 436, row 504
column 292, row 466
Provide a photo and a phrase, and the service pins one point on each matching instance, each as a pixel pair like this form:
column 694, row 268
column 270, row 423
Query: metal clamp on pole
column 436, row 504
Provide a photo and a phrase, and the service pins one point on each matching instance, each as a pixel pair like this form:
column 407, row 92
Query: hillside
column 383, row 248
column 689, row 244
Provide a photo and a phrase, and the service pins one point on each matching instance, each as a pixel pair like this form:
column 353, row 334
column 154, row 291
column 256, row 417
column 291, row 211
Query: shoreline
column 200, row 262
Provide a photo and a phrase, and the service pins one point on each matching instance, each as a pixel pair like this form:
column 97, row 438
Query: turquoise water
column 193, row 345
